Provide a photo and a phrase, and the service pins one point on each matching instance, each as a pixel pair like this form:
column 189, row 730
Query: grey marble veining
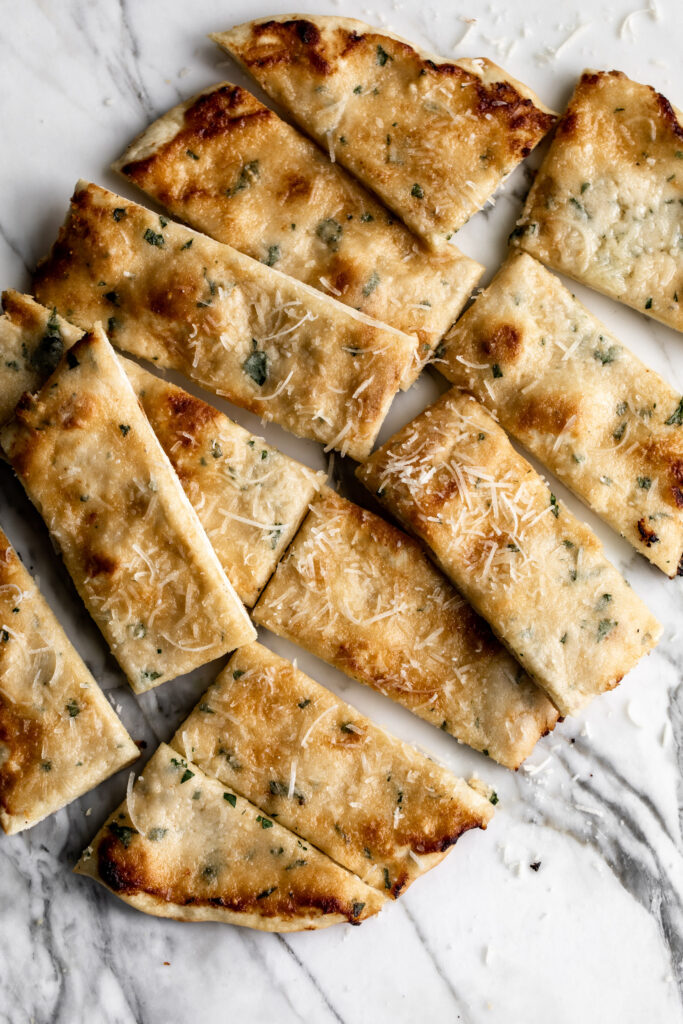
column 569, row 908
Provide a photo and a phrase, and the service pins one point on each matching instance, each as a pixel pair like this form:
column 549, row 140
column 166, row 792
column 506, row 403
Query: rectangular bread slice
column 130, row 539
column 579, row 400
column 289, row 207
column 59, row 736
column 183, row 846
column 606, row 205
column 372, row 803
column 534, row 571
column 432, row 138
column 363, row 596
column 249, row 497
column 238, row 328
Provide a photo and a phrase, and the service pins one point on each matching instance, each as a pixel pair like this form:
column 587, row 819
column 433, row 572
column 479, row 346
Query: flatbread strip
column 240, row 329
column 184, row 846
column 373, row 804
column 433, row 139
column 249, row 497
column 129, row 537
column 606, row 204
column 59, row 736
column 579, row 400
column 363, row 596
column 32, row 341
column 537, row 574
column 289, row 207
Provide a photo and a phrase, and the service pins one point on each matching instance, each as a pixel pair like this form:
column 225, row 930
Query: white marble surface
column 596, row 933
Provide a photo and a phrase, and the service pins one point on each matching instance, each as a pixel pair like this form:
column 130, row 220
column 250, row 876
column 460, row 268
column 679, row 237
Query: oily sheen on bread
column 432, row 138
column 136, row 551
column 185, row 846
column 238, row 328
column 372, row 803
column 289, row 207
column 605, row 207
column 59, row 736
column 579, row 400
column 363, row 596
column 534, row 571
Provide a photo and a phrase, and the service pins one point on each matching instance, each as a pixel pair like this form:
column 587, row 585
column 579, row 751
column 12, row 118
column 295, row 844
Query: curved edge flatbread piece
column 183, row 846
column 372, row 803
column 605, row 207
column 553, row 376
column 289, row 207
column 433, row 139
column 90, row 462
column 59, row 736
column 363, row 596
column 238, row 328
column 535, row 572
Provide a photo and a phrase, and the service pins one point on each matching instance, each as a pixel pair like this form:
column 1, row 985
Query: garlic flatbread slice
column 249, row 497
column 606, row 205
column 579, row 400
column 537, row 574
column 289, row 207
column 32, row 341
column 184, row 846
column 369, row 801
column 59, row 736
column 130, row 539
column 240, row 329
column 363, row 596
column 433, row 139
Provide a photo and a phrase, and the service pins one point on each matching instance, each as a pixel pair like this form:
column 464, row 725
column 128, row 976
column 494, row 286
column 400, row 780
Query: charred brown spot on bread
column 120, row 869
column 23, row 737
column 647, row 534
column 289, row 42
column 76, row 412
column 96, row 563
column 189, row 414
column 668, row 115
column 295, row 186
column 439, row 842
column 548, row 414
column 568, row 124
column 24, row 314
column 503, row 343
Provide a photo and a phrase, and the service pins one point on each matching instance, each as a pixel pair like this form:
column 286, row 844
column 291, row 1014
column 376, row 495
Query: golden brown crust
column 240, row 329
column 556, row 379
column 90, row 462
column 537, row 574
column 249, row 497
column 363, row 596
column 283, row 193
column 433, row 139
column 183, row 847
column 373, row 804
column 59, row 736
column 606, row 204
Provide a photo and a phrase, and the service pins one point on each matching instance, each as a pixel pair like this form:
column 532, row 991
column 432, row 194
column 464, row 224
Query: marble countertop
column 569, row 908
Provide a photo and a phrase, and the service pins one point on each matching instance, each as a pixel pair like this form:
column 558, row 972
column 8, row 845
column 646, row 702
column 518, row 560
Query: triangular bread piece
column 184, row 846
column 59, row 736
column 537, row 574
column 289, row 207
column 605, row 207
column 433, row 138
column 372, row 803
column 238, row 328
column 362, row 595
column 579, row 400
column 91, row 464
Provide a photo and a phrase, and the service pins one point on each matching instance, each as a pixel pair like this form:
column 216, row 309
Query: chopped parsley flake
column 417, row 191
column 155, row 834
column 676, row 417
column 154, row 239
column 645, row 482
column 304, row 703
column 371, row 284
column 118, row 214
column 247, row 175
column 330, row 231
column 124, row 833
column 265, row 822
column 648, row 303
column 256, row 367
column 192, row 156
column 493, row 799
column 554, row 505
column 357, row 909
column 382, row 57
column 605, row 627
column 124, row 428
column 496, row 370
column 187, row 775
column 231, row 798
column 273, row 255
column 73, row 708
column 206, row 708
